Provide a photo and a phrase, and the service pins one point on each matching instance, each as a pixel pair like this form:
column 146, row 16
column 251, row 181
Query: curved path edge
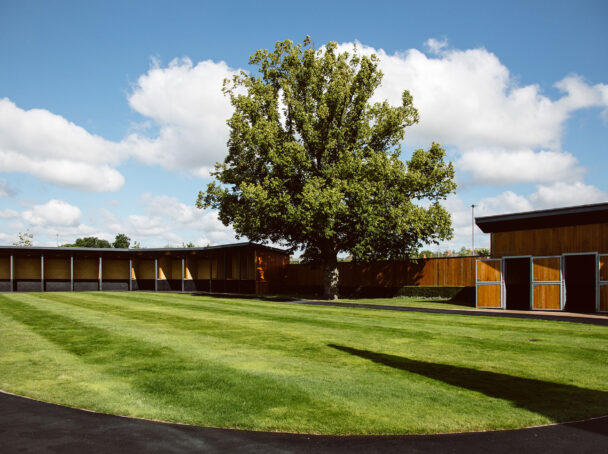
column 28, row 425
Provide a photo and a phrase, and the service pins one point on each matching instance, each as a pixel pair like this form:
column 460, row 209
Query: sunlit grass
column 263, row 365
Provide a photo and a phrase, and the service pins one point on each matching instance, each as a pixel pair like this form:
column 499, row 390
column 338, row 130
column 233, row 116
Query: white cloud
column 562, row 194
column 469, row 100
column 187, row 104
column 51, row 148
column 502, row 167
column 55, row 213
column 8, row 214
column 436, row 46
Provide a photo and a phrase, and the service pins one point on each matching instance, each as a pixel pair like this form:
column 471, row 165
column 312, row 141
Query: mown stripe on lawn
column 166, row 377
column 495, row 335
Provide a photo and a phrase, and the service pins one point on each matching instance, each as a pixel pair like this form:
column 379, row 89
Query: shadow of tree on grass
column 557, row 401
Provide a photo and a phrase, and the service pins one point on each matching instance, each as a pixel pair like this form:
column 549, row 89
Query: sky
column 111, row 113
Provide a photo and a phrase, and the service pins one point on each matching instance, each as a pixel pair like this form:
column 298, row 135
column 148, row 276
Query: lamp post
column 473, row 229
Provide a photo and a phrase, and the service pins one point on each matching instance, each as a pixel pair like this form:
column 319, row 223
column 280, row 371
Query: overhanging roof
column 173, row 250
column 559, row 217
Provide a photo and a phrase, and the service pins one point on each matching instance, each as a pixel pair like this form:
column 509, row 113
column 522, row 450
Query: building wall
column 551, row 241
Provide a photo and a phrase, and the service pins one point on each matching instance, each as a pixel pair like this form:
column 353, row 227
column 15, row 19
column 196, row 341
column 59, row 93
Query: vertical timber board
column 546, row 297
column 547, row 283
column 42, row 272
column 5, row 265
column 156, row 274
column 488, row 270
column 603, row 283
column 488, row 295
column 100, row 274
column 130, row 274
column 12, row 271
column 546, row 269
column 489, row 286
column 604, row 297
column 72, row 273
column 603, row 265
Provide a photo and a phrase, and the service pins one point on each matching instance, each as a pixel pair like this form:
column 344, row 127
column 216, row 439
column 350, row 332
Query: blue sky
column 111, row 112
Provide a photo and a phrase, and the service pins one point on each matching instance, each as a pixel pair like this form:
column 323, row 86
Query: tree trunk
column 330, row 277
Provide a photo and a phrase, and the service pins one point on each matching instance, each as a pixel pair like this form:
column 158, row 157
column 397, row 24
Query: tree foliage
column 121, row 241
column 25, row 239
column 315, row 165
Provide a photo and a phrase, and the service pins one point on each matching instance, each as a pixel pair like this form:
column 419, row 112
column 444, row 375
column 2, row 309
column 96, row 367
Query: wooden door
column 603, row 297
column 547, row 283
column 489, row 283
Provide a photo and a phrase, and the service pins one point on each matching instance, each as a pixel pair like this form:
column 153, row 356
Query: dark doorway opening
column 579, row 280
column 517, row 283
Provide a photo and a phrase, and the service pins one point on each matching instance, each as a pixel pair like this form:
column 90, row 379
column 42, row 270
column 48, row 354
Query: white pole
column 473, row 229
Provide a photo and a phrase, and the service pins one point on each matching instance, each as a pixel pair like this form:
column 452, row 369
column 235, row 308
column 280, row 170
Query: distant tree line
column 121, row 241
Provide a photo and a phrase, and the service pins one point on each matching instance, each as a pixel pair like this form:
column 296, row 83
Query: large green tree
column 315, row 165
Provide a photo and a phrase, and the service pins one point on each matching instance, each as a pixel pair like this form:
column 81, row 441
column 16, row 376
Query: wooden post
column 225, row 278
column 100, row 274
column 11, row 271
column 156, row 274
column 183, row 272
column 72, row 273
column 42, row 272
column 130, row 274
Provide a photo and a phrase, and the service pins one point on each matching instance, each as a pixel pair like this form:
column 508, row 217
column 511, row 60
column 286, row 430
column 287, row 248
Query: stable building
column 233, row 268
column 546, row 260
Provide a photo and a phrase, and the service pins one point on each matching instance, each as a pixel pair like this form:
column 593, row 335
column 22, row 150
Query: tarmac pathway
column 36, row 427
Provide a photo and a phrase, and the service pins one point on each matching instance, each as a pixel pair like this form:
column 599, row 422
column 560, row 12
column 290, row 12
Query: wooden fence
column 432, row 272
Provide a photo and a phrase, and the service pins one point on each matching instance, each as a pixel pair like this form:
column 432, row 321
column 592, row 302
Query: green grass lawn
column 259, row 365
column 408, row 301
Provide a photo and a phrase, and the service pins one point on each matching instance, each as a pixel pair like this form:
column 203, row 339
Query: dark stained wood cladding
column 439, row 272
column 551, row 241
column 269, row 265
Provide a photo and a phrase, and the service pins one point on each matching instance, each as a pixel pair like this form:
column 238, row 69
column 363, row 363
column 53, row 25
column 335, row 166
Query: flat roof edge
column 585, row 214
column 131, row 250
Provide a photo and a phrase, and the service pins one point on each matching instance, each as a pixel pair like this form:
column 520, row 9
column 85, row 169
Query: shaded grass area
column 264, row 365
column 410, row 301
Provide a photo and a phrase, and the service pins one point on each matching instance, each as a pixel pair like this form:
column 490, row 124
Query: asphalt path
column 36, row 427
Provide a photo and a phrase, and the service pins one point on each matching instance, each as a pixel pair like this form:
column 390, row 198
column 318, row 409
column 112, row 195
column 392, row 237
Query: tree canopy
column 314, row 164
column 121, row 241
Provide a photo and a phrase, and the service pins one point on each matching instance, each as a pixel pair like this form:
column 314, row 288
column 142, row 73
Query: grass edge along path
column 304, row 369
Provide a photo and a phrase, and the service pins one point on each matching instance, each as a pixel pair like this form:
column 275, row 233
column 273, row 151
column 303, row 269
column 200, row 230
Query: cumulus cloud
column 186, row 102
column 469, row 100
column 503, row 167
column 563, row 194
column 53, row 149
column 55, row 213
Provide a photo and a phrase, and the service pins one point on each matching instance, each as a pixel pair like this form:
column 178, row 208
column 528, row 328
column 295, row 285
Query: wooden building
column 233, row 268
column 546, row 260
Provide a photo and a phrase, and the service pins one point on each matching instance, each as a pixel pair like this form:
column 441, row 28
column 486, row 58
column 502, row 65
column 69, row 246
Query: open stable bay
column 272, row 366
